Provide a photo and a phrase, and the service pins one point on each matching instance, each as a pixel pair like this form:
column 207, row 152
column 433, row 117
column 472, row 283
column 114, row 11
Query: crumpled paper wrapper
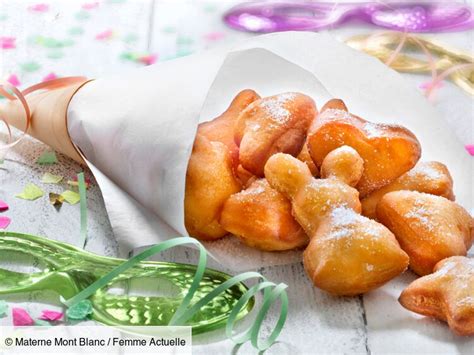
column 137, row 129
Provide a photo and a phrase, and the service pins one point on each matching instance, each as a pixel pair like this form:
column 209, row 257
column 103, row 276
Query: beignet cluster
column 279, row 175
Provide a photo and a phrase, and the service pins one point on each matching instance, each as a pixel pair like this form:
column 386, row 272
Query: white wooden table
column 317, row 322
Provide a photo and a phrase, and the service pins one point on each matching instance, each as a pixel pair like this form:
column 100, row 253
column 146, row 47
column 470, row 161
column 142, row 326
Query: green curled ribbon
column 185, row 311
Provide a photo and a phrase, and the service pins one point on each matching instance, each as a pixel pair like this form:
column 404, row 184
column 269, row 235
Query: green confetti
column 47, row 158
column 82, row 15
column 209, row 7
column 129, row 56
column 55, row 54
column 76, row 31
column 71, row 197
column 3, row 17
column 168, row 29
column 42, row 323
column 3, row 308
column 184, row 40
column 80, row 310
column 130, row 38
column 49, row 178
column 31, row 192
column 30, row 67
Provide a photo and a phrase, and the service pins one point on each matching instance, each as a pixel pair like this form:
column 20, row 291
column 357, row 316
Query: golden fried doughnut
column 270, row 125
column 428, row 227
column 221, row 129
column 335, row 104
column 210, row 181
column 351, row 254
column 447, row 294
column 245, row 177
column 429, row 177
column 312, row 199
column 306, row 158
column 388, row 150
column 343, row 163
column 261, row 217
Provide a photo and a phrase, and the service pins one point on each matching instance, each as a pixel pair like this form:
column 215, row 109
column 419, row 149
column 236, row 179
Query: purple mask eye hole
column 424, row 18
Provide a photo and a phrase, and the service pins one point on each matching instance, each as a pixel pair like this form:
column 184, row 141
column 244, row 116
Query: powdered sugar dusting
column 421, row 215
column 275, row 107
column 426, row 170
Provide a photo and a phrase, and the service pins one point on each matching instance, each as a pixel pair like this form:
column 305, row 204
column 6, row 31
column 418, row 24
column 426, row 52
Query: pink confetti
column 470, row 149
column 3, row 206
column 7, row 42
column 52, row 316
column 90, row 5
column 214, row 36
column 148, row 59
column 13, row 79
column 106, row 35
column 39, row 7
column 50, row 76
column 21, row 317
column 4, row 222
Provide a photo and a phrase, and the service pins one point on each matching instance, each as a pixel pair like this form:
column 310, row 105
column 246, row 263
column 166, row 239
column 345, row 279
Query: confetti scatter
column 214, row 36
column 90, row 5
column 31, row 192
column 50, row 76
column 4, row 222
column 56, row 200
column 148, row 59
column 21, row 317
column 39, row 7
column 51, row 316
column 30, row 67
column 47, row 158
column 105, row 35
column 3, row 206
column 3, row 308
column 470, row 149
column 71, row 197
column 13, row 79
column 76, row 31
column 49, row 178
column 7, row 42
column 82, row 15
column 55, row 54
column 80, row 311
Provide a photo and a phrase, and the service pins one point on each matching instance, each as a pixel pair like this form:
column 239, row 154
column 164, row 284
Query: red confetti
column 21, row 317
column 7, row 42
column 13, row 79
column 470, row 149
column 214, row 36
column 148, row 59
column 4, row 222
column 39, row 8
column 106, row 35
column 52, row 316
column 90, row 5
column 50, row 76
column 3, row 206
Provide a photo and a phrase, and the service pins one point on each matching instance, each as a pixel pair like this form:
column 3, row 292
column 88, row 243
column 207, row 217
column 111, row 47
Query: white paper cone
column 137, row 129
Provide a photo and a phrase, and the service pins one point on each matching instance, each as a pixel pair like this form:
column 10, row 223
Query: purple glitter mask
column 314, row 16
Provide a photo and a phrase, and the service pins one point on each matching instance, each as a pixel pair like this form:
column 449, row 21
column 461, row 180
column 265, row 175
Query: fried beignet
column 388, row 151
column 210, row 181
column 430, row 177
column 347, row 254
column 221, row 129
column 428, row 227
column 351, row 254
column 343, row 163
column 261, row 217
column 245, row 177
column 312, row 199
column 306, row 158
column 447, row 294
column 270, row 125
